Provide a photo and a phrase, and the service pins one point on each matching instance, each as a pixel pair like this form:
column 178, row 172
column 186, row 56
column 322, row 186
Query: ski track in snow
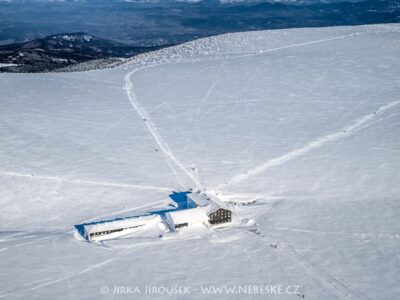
column 363, row 235
column 27, row 243
column 332, row 283
column 73, row 274
column 361, row 123
column 324, row 278
column 7, row 238
column 153, row 131
column 204, row 100
column 60, row 180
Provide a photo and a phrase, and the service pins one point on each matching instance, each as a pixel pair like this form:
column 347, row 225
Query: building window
column 181, row 225
column 100, row 233
column 220, row 216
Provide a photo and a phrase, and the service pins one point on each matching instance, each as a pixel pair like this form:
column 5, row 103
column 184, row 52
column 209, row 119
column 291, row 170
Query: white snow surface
column 303, row 122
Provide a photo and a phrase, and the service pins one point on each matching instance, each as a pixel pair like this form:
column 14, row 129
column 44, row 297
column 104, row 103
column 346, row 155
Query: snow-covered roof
column 199, row 199
column 123, row 223
column 216, row 203
column 190, row 216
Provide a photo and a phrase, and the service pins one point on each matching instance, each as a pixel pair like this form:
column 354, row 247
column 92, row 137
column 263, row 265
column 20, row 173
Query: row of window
column 220, row 216
column 181, row 225
column 99, row 233
column 220, row 221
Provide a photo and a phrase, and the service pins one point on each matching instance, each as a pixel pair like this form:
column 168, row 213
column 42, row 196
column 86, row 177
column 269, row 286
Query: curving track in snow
column 155, row 134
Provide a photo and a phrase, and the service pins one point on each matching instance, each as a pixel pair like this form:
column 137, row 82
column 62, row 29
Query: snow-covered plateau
column 301, row 125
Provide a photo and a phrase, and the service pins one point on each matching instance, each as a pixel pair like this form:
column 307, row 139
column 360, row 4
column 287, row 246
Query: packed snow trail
column 60, row 180
column 153, row 131
column 333, row 284
column 327, row 280
column 361, row 123
column 350, row 234
column 28, row 243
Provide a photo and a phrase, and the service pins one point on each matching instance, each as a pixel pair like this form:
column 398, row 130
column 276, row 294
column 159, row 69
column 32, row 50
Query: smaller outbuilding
column 204, row 210
column 191, row 217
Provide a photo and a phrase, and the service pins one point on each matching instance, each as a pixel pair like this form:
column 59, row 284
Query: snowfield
column 303, row 125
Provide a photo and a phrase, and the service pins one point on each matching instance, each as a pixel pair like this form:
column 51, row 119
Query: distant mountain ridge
column 61, row 50
column 122, row 29
column 193, row 1
column 153, row 23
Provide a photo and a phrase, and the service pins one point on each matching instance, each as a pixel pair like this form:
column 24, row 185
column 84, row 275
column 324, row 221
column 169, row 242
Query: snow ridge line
column 235, row 54
column 152, row 129
column 88, row 182
column 308, row 43
column 359, row 124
